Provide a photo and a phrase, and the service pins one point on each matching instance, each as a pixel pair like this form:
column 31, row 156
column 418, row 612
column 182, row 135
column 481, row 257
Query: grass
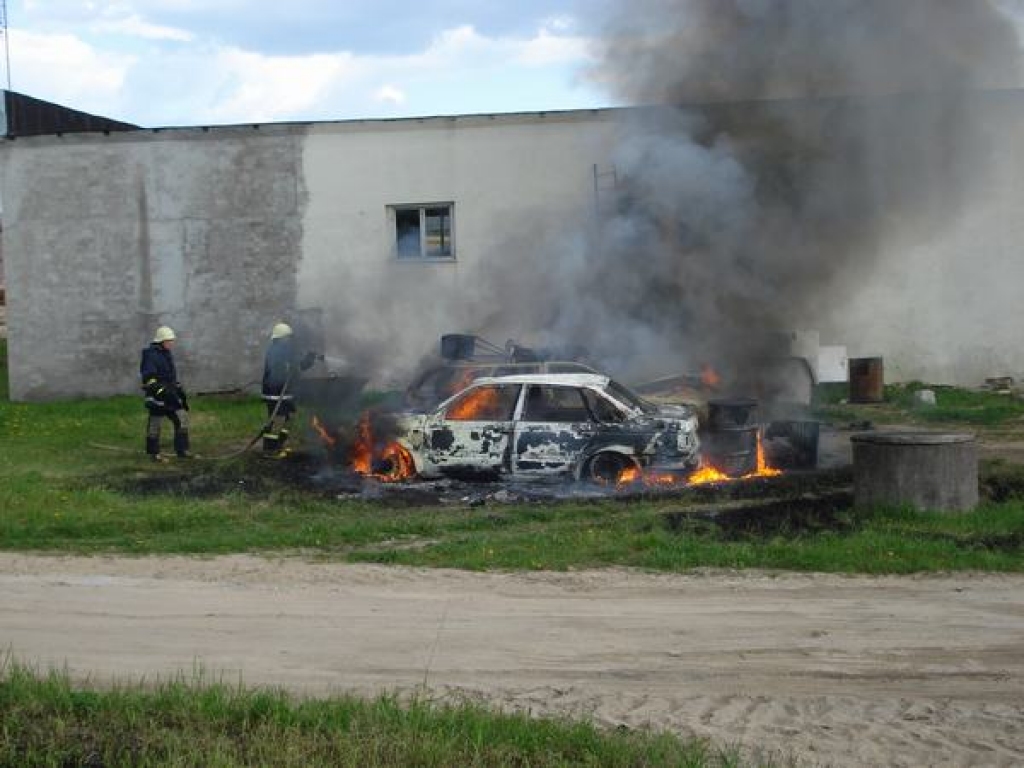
column 63, row 490
column 73, row 479
column 953, row 407
column 45, row 720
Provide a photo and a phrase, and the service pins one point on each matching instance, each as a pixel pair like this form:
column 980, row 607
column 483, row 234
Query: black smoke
column 774, row 147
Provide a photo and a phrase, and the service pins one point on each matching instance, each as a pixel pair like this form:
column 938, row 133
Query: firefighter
column 165, row 397
column 281, row 367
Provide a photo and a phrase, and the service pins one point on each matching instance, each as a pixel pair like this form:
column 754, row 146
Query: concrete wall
column 509, row 179
column 108, row 237
column 221, row 232
column 944, row 305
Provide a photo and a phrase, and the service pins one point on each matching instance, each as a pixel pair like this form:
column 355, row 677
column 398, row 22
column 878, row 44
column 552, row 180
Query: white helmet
column 163, row 333
column 280, row 331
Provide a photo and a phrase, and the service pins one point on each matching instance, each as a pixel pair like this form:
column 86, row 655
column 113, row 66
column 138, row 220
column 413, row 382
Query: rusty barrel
column 729, row 443
column 925, row 470
column 732, row 413
column 867, row 380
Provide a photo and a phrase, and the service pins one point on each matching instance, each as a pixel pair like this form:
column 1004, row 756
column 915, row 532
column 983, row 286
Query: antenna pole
column 7, row 47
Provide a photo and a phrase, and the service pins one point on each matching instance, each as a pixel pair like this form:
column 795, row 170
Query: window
column 424, row 231
column 560, row 404
column 602, row 408
column 485, row 403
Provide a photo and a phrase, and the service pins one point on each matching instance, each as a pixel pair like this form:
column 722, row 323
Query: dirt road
column 829, row 669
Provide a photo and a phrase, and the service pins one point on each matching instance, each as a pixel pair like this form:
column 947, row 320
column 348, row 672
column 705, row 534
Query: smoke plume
column 775, row 144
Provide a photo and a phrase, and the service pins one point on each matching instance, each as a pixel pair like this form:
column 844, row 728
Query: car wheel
column 611, row 469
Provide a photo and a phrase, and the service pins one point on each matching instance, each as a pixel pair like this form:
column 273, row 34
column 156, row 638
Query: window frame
column 423, row 256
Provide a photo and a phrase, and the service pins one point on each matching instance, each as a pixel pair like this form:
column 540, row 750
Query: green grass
column 954, row 406
column 46, row 720
column 62, row 490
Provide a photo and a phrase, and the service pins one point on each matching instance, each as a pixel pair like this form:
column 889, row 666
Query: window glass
column 563, row 404
column 485, row 403
column 407, row 233
column 627, row 396
column 438, row 242
column 603, row 409
column 423, row 231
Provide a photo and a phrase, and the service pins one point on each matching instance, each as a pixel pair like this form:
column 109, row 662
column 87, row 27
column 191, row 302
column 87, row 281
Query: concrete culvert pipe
column 926, row 470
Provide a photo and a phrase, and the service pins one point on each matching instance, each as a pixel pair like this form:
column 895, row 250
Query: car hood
column 674, row 411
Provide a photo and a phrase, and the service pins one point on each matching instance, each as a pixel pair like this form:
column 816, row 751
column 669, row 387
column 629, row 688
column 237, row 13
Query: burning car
column 546, row 425
column 438, row 383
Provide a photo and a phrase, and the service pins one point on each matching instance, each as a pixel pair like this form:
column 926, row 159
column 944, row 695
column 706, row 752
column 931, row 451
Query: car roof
column 565, row 379
column 534, row 364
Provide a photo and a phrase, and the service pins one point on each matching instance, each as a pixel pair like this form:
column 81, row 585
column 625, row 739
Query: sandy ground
column 830, row 670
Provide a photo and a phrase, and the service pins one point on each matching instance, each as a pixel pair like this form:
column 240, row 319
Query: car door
column 554, row 427
column 472, row 433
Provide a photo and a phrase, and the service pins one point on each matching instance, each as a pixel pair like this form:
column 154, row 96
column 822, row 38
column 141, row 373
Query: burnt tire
column 607, row 468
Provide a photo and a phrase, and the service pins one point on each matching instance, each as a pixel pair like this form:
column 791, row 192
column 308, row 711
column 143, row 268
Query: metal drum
column 732, row 451
column 867, row 380
column 732, row 413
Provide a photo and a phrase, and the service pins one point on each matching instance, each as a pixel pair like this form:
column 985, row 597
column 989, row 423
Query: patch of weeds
column 1000, row 482
column 786, row 518
column 831, row 393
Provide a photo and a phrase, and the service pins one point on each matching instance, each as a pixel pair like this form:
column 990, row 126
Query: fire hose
column 256, row 438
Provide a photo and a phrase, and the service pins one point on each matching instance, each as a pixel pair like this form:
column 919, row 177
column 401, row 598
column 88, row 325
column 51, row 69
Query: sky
column 210, row 62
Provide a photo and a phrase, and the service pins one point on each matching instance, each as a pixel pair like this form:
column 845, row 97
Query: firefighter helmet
column 163, row 333
column 280, row 331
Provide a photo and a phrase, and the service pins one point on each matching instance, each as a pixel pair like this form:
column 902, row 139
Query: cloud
column 66, row 69
column 390, row 94
column 157, row 75
column 262, row 88
column 548, row 48
column 134, row 26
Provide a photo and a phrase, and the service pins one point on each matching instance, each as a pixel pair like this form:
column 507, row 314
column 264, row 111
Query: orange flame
column 709, row 377
column 629, row 475
column 462, row 382
column 476, row 405
column 362, row 451
column 763, row 470
column 703, row 476
column 400, row 464
column 402, row 467
column 706, row 475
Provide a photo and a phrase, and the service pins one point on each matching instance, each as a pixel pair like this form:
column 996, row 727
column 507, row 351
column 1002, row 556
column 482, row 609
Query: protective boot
column 153, row 449
column 181, row 445
column 282, row 452
column 271, row 442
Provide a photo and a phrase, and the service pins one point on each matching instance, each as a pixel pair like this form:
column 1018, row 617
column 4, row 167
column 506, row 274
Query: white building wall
column 222, row 232
column 510, row 179
column 945, row 306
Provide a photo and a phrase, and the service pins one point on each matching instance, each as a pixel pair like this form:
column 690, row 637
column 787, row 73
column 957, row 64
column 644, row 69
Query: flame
column 476, row 405
column 462, row 382
column 703, row 476
column 362, row 451
column 709, row 377
column 327, row 437
column 629, row 475
column 402, row 467
column 396, row 457
column 706, row 475
column 763, row 470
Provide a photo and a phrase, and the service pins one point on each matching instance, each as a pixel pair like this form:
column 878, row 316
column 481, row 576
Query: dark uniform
column 281, row 367
column 165, row 398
